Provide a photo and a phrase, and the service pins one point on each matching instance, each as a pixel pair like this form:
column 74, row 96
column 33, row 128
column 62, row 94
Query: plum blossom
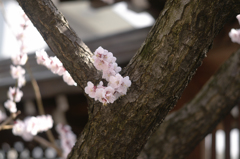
column 90, row 89
column 55, row 65
column 105, row 61
column 31, row 126
column 19, row 59
column 21, row 81
column 11, row 106
column 42, row 58
column 115, row 81
column 67, row 138
column 68, row 79
column 15, row 94
column 234, row 34
column 17, row 71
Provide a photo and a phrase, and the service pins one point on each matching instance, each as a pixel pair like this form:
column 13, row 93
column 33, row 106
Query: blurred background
column 121, row 28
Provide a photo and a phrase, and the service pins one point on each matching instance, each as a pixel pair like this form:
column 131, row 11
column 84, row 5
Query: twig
column 5, row 127
column 9, row 119
column 39, row 101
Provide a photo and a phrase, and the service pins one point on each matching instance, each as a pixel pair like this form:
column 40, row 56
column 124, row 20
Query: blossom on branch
column 15, row 94
column 67, row 138
column 31, row 126
column 234, row 34
column 55, row 65
column 11, row 106
column 105, row 61
column 19, row 59
column 17, row 71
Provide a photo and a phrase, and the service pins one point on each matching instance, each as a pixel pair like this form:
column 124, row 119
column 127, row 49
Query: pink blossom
column 55, row 64
column 68, row 79
column 105, row 61
column 61, row 71
column 67, row 138
column 126, row 83
column 100, row 95
column 234, row 34
column 15, row 94
column 32, row 125
column 11, row 106
column 90, row 89
column 21, row 81
column 109, row 95
column 20, row 59
column 19, row 129
column 115, row 81
column 238, row 18
column 17, row 71
column 42, row 58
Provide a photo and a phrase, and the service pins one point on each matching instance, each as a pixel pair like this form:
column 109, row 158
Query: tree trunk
column 183, row 130
column 161, row 69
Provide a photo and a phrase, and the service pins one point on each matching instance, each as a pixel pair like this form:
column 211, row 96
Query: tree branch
column 184, row 129
column 160, row 71
column 63, row 41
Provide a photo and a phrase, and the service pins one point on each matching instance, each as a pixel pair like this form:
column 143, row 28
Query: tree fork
column 160, row 71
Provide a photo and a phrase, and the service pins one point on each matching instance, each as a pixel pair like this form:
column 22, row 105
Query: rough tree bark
column 182, row 130
column 160, row 70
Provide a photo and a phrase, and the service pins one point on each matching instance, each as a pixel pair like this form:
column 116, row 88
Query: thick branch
column 184, row 129
column 62, row 40
column 160, row 71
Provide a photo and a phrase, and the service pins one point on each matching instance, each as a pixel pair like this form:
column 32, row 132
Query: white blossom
column 21, row 81
column 17, row 71
column 19, row 59
column 90, row 89
column 42, row 58
column 68, row 79
column 115, row 81
column 126, row 83
column 32, row 125
column 19, row 129
column 109, row 94
column 67, row 138
column 238, row 18
column 15, row 94
column 55, row 64
column 11, row 106
column 105, row 61
column 234, row 34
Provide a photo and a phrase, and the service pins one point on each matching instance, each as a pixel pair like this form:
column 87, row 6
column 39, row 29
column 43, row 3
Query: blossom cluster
column 67, row 138
column 55, row 65
column 234, row 34
column 17, row 72
column 30, row 126
column 117, row 85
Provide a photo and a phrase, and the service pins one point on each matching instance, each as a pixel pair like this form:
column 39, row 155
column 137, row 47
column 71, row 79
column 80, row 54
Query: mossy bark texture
column 160, row 70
